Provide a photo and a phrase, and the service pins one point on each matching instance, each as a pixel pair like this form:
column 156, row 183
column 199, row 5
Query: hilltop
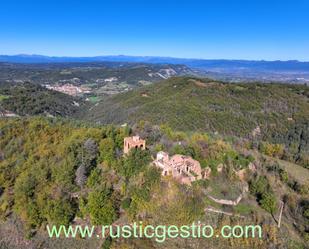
column 57, row 172
column 203, row 104
column 272, row 112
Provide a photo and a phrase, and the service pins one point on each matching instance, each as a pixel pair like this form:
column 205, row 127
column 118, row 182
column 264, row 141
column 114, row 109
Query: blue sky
column 239, row 29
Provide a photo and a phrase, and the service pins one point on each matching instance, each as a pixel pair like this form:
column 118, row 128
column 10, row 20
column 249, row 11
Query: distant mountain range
column 291, row 65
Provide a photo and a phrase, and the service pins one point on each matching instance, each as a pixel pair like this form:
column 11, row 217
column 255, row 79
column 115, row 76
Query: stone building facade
column 183, row 168
column 133, row 142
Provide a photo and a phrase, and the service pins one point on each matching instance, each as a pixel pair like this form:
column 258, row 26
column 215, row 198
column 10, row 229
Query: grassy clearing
column 299, row 173
column 223, row 189
column 94, row 99
column 243, row 209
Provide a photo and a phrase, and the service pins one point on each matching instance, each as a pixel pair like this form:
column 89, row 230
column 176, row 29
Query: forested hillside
column 276, row 113
column 30, row 99
column 59, row 172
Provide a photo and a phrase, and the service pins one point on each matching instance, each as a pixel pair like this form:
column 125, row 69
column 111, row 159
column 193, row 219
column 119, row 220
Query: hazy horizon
column 146, row 56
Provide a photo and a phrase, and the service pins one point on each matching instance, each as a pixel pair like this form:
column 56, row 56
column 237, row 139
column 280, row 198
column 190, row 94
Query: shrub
column 273, row 150
column 268, row 202
column 306, row 213
column 259, row 186
column 125, row 204
column 284, row 176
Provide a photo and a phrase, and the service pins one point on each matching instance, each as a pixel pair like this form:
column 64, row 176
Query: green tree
column 94, row 178
column 268, row 202
column 259, row 186
column 107, row 151
column 135, row 162
column 100, row 206
column 60, row 211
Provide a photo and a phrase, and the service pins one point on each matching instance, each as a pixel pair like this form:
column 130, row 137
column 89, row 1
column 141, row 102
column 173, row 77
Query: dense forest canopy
column 275, row 113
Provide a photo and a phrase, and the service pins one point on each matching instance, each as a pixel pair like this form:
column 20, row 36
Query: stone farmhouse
column 183, row 168
column 133, row 142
